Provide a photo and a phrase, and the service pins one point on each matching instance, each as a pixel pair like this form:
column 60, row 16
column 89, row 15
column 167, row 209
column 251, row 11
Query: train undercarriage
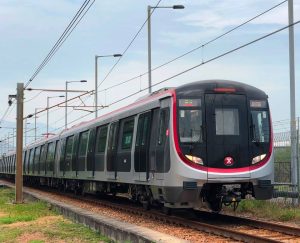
column 212, row 195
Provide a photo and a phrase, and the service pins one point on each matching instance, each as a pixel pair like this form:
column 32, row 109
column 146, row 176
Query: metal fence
column 285, row 191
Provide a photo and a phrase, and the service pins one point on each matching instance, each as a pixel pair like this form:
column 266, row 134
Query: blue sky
column 29, row 29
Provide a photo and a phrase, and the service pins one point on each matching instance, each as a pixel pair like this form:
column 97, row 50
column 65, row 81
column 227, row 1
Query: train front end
column 223, row 136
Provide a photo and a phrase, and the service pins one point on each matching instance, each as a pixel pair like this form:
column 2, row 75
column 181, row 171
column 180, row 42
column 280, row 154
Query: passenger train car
column 207, row 141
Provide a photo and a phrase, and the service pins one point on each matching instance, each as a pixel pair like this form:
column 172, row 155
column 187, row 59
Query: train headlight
column 195, row 159
column 258, row 158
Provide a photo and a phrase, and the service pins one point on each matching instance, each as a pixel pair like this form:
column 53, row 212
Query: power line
column 172, row 60
column 62, row 38
column 126, row 49
column 129, row 45
column 196, row 66
column 7, row 111
column 194, row 49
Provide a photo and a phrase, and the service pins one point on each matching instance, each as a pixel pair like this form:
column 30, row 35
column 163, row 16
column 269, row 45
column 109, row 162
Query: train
column 203, row 143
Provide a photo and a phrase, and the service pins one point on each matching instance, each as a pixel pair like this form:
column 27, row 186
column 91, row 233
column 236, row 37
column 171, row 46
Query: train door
column 142, row 143
column 125, row 144
column 227, row 134
column 112, row 148
column 162, row 156
column 101, row 139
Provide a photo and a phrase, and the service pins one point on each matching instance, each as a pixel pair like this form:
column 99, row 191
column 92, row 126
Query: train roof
column 206, row 86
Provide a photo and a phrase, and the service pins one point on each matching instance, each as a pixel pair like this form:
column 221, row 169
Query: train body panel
column 203, row 141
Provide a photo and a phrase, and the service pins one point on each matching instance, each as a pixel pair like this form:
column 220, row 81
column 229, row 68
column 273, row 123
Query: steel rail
column 223, row 231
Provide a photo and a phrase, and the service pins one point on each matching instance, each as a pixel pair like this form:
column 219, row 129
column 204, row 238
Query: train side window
column 101, row 139
column 37, row 152
column 112, row 140
column 50, row 156
column 24, row 155
column 163, row 125
column 15, row 160
column 30, row 165
column 43, row 157
column 127, row 133
column 83, row 142
column 69, row 151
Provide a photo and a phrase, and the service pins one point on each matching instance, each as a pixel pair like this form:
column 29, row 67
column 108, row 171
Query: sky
column 29, row 29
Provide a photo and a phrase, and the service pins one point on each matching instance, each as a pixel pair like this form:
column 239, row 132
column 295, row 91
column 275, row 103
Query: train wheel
column 167, row 211
column 216, row 205
column 146, row 205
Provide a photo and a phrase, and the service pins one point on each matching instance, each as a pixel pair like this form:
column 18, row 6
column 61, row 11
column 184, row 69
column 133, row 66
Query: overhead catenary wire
column 74, row 22
column 194, row 49
column 194, row 67
column 126, row 49
column 180, row 56
column 129, row 45
column 7, row 112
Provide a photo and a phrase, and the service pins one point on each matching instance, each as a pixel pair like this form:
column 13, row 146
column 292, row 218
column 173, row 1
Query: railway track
column 227, row 226
column 233, row 227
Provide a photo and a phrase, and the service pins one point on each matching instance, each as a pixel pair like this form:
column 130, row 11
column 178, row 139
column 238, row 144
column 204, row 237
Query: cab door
column 227, row 135
column 141, row 152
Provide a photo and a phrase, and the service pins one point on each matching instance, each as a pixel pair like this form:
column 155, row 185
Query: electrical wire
column 7, row 111
column 194, row 49
column 129, row 45
column 62, row 38
column 34, row 97
column 172, row 60
column 198, row 65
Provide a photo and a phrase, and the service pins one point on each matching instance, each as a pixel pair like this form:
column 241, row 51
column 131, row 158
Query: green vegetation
column 282, row 154
column 269, row 210
column 34, row 222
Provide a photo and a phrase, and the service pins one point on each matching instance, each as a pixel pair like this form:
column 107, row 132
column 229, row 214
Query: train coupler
column 231, row 197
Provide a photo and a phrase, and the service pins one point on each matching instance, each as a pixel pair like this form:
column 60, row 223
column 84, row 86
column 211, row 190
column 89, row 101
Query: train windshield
column 260, row 128
column 190, row 121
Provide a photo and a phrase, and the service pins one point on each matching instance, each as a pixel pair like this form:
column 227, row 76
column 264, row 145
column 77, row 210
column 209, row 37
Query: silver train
column 204, row 142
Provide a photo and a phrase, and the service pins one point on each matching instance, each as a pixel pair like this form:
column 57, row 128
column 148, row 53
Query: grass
column 270, row 210
column 35, row 222
column 282, row 154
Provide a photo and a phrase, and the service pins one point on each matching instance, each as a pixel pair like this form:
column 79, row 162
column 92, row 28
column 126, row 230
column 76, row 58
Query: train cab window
column 190, row 121
column 190, row 126
column 127, row 134
column 101, row 139
column 227, row 121
column 260, row 126
column 69, row 151
column 163, row 125
column 83, row 142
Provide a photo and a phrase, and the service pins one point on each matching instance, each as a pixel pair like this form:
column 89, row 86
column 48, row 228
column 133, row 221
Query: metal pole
column 47, row 116
column 292, row 100
column 298, row 153
column 96, row 86
column 66, row 108
column 149, row 49
column 19, row 167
